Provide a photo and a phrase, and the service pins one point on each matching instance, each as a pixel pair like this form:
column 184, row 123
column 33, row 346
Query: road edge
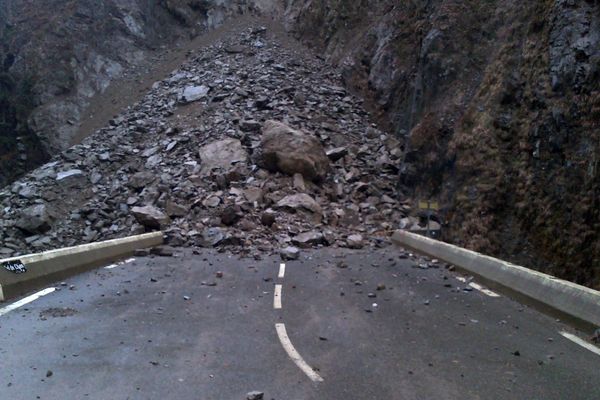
column 46, row 267
column 567, row 297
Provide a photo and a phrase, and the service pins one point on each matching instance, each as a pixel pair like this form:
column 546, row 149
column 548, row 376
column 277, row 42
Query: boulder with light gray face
column 292, row 151
column 222, row 155
column 151, row 217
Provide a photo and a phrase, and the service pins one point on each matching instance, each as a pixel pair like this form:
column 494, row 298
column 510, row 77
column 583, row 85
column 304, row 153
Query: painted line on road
column 294, row 355
column 477, row 286
column 281, row 270
column 111, row 266
column 277, row 297
column 581, row 342
column 26, row 300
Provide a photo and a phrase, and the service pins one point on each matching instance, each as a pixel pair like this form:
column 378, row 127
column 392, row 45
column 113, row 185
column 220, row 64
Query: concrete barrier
column 575, row 300
column 44, row 268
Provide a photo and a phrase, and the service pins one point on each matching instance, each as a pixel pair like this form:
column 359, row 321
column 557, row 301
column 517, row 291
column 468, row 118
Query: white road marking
column 277, row 297
column 581, row 342
column 281, row 270
column 477, row 286
column 111, row 266
column 26, row 300
column 483, row 290
column 296, row 358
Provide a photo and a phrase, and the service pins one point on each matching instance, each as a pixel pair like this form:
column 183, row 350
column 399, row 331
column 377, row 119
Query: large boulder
column 35, row 219
column 292, row 151
column 151, row 217
column 222, row 154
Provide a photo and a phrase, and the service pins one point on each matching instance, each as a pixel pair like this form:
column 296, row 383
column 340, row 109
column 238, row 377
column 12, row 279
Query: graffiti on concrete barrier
column 15, row 266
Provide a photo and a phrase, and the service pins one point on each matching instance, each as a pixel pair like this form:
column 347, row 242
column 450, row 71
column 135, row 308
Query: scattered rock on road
column 163, row 251
column 290, row 253
column 255, row 395
column 355, row 241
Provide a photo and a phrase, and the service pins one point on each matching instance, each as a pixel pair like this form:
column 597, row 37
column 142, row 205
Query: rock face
column 497, row 105
column 292, row 151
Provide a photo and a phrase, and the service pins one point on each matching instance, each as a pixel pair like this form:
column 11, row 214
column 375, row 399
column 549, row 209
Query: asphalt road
column 169, row 328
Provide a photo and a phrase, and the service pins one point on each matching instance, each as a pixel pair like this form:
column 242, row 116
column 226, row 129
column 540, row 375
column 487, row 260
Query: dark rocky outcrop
column 496, row 105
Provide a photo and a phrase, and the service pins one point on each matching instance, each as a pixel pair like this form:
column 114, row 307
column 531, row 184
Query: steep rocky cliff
column 497, row 104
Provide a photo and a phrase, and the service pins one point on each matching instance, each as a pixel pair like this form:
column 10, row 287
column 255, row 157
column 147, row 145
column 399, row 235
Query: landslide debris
column 274, row 154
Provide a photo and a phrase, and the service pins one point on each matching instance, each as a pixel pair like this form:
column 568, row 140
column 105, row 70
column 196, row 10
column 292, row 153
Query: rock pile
column 259, row 150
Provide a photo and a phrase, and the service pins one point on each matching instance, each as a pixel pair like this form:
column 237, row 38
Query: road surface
column 318, row 328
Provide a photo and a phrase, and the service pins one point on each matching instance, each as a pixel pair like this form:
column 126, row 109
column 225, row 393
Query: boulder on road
column 222, row 154
column 289, row 253
column 292, row 151
column 151, row 217
column 355, row 241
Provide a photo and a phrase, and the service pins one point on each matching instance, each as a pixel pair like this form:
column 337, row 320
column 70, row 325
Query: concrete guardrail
column 47, row 267
column 575, row 300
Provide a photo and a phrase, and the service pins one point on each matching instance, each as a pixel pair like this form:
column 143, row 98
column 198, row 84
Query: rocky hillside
column 251, row 145
column 56, row 58
column 498, row 106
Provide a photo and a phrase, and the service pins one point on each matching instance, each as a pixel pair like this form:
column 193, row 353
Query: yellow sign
column 429, row 205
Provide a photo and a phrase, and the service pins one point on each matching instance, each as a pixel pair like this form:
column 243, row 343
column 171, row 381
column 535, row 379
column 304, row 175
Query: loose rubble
column 260, row 150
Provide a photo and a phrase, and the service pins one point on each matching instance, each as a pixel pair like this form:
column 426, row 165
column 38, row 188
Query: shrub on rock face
column 292, row 151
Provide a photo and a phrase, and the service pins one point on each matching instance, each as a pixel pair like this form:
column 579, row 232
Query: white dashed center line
column 281, row 270
column 26, row 300
column 477, row 286
column 581, row 342
column 277, row 297
column 119, row 263
column 296, row 358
